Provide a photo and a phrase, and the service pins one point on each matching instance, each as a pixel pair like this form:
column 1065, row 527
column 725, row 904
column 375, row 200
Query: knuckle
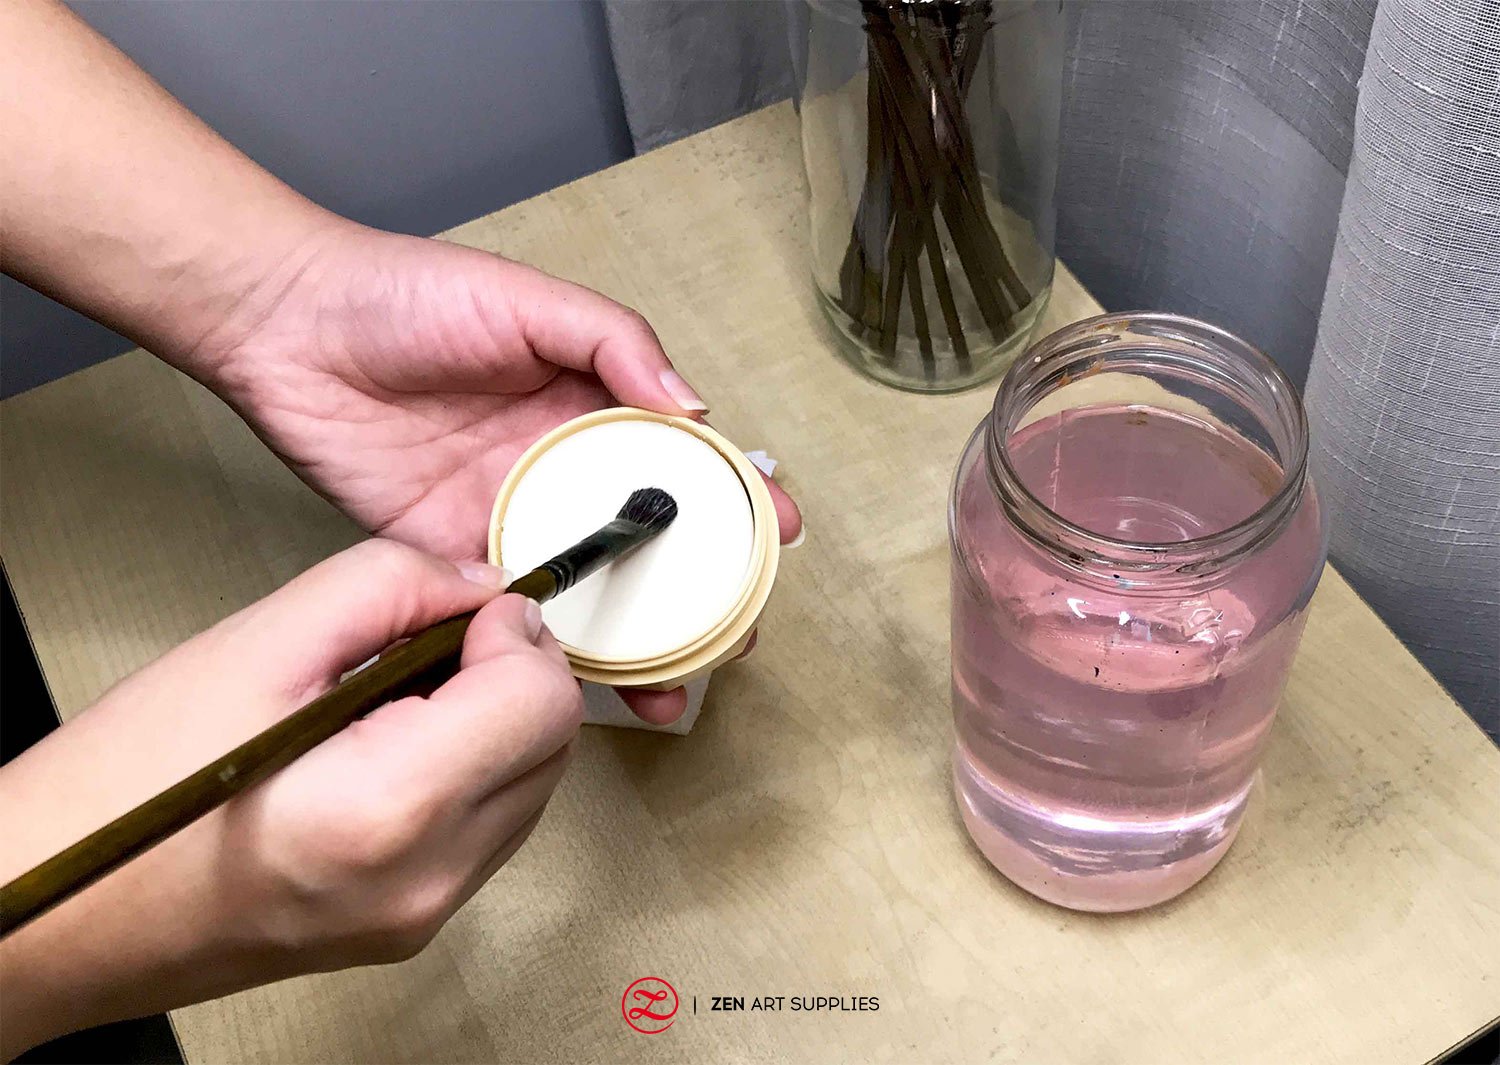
column 381, row 837
column 554, row 688
column 412, row 921
column 362, row 886
column 392, row 950
column 636, row 322
column 397, row 581
column 386, row 560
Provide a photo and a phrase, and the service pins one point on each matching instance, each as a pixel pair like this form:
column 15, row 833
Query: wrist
column 152, row 937
column 232, row 286
column 133, row 943
column 167, row 928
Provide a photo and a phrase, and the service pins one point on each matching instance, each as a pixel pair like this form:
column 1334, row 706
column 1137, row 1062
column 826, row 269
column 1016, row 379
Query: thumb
column 351, row 607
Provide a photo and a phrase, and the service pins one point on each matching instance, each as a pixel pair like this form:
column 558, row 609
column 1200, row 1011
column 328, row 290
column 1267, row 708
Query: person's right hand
column 354, row 854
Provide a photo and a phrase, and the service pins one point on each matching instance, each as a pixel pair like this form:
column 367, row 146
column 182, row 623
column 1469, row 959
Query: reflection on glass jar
column 929, row 132
column 1135, row 540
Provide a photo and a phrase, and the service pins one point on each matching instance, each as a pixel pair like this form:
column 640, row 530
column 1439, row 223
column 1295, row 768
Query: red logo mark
column 649, row 1004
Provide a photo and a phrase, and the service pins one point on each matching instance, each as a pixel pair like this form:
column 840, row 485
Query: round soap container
column 685, row 602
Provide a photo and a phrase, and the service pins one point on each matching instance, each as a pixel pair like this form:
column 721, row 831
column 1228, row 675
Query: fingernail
column 482, row 573
column 682, row 393
column 798, row 540
column 531, row 620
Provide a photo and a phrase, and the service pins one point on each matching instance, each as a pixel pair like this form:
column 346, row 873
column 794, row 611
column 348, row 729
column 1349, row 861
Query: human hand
column 402, row 378
column 355, row 853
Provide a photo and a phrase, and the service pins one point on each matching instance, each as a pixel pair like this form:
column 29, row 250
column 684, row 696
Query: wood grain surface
column 802, row 840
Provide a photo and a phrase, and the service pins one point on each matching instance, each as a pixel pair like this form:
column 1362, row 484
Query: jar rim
column 1078, row 350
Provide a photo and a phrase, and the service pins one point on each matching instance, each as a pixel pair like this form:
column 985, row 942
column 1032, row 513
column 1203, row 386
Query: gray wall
column 410, row 116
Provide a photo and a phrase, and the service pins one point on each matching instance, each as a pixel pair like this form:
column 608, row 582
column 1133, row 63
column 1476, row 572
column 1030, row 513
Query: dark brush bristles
column 645, row 514
column 651, row 507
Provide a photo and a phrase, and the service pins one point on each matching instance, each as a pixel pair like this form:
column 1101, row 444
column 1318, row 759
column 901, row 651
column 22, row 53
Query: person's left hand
column 402, row 377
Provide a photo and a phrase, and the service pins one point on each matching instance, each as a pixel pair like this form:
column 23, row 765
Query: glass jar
column 1135, row 539
column 929, row 131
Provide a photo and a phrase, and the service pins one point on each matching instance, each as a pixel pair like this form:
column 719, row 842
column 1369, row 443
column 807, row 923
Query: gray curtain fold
column 1204, row 152
column 685, row 65
column 1404, row 395
column 1203, row 148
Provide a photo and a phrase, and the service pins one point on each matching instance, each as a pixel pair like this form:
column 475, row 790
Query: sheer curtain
column 1322, row 178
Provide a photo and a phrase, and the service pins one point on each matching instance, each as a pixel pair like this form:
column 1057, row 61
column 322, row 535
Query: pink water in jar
column 1111, row 700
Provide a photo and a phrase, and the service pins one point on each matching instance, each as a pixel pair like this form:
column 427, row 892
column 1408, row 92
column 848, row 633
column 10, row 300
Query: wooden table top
column 802, row 840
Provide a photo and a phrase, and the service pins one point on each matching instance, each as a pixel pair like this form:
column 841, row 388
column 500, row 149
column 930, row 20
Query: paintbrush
column 422, row 660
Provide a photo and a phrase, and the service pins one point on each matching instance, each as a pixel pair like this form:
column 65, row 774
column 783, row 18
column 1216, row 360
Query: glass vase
column 929, row 133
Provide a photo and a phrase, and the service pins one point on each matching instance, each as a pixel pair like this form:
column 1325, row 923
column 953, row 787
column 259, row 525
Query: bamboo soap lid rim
column 725, row 637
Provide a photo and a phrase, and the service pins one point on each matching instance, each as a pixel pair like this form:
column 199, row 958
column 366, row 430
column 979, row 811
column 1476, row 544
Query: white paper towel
column 602, row 706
